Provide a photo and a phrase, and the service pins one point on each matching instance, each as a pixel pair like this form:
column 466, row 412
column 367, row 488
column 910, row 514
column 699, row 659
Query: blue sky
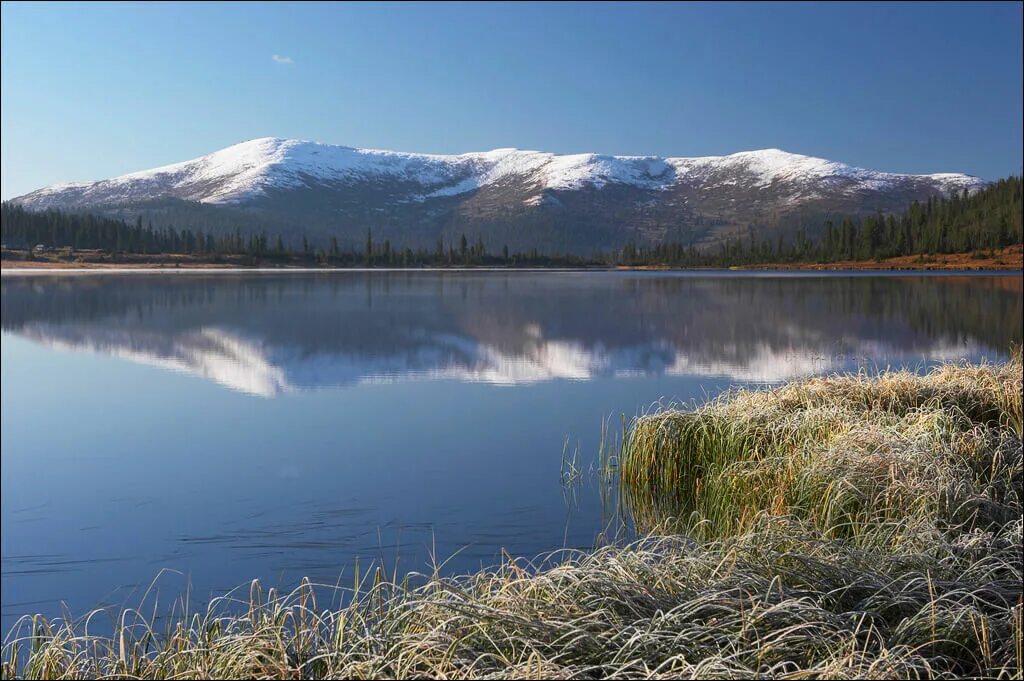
column 93, row 91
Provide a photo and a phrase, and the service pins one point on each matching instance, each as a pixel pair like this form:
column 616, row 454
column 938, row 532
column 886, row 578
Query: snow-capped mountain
column 522, row 198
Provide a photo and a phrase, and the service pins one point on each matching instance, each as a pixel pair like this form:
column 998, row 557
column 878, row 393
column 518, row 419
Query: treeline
column 53, row 229
column 986, row 220
column 21, row 228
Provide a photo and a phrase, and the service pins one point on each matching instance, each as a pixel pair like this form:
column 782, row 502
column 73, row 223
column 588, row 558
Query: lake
column 223, row 427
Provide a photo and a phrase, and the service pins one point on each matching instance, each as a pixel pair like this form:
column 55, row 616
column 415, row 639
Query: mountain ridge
column 576, row 201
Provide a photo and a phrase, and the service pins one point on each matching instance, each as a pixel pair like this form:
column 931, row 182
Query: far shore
column 1007, row 259
column 1010, row 258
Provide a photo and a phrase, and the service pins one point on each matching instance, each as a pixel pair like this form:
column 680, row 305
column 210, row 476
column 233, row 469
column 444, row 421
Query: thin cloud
column 282, row 59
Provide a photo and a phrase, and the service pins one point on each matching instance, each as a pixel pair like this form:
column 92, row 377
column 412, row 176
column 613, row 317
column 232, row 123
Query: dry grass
column 1009, row 258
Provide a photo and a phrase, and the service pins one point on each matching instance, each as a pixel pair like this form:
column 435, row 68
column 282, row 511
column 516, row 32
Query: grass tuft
column 849, row 455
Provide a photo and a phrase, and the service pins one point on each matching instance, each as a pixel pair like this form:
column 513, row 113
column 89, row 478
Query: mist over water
column 237, row 426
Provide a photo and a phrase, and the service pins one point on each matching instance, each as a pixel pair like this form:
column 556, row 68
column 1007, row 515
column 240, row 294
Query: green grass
column 840, row 527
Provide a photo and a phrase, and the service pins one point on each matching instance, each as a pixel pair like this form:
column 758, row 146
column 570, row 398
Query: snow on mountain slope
column 246, row 171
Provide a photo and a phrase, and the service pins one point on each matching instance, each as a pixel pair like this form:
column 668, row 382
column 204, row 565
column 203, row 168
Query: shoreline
column 751, row 556
column 1010, row 258
column 1007, row 260
column 819, row 271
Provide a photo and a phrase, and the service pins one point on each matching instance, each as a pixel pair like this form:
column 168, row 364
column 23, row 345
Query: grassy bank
column 841, row 527
column 849, row 455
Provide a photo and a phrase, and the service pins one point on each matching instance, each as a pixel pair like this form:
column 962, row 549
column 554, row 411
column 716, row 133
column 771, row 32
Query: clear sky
column 93, row 91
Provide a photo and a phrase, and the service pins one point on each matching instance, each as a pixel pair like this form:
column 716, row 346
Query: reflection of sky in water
column 417, row 413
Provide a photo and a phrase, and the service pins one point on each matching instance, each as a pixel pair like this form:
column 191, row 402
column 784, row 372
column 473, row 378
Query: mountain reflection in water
column 273, row 334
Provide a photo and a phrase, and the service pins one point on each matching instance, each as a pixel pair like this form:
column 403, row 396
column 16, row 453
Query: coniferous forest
column 986, row 220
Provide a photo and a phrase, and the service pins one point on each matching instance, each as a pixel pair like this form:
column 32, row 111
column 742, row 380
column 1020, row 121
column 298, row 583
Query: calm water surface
column 235, row 426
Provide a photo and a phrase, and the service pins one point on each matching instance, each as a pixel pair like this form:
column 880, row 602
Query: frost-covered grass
column 779, row 600
column 841, row 527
